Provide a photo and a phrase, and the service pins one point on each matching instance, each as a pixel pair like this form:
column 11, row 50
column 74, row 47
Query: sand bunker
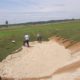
column 41, row 60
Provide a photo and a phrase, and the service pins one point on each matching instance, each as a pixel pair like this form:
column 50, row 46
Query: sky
column 20, row 11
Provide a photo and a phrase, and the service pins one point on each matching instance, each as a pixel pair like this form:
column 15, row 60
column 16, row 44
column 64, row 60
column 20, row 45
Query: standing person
column 39, row 37
column 26, row 40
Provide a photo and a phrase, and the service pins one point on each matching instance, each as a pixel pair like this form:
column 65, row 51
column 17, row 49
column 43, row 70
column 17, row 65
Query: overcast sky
column 17, row 11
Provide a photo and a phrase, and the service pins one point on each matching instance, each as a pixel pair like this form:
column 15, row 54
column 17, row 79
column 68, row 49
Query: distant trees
column 6, row 23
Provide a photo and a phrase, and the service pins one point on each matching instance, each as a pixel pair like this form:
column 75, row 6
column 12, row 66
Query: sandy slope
column 40, row 60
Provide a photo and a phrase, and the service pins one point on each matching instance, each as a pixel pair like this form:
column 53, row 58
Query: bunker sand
column 40, row 61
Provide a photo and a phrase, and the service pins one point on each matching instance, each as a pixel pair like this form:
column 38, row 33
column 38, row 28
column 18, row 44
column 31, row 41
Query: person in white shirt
column 26, row 40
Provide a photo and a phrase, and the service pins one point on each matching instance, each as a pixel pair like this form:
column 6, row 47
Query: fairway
column 68, row 30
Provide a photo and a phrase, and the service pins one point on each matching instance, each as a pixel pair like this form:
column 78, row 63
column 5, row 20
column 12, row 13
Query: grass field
column 69, row 30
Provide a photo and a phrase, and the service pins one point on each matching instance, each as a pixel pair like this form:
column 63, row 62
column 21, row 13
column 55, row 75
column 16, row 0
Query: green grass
column 70, row 30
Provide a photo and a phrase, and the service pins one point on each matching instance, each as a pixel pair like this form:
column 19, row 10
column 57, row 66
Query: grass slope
column 69, row 30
